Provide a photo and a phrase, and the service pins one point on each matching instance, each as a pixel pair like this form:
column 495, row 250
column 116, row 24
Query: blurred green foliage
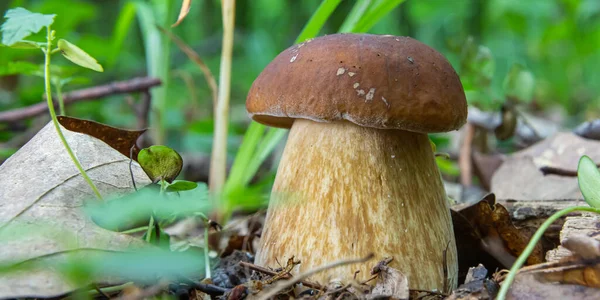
column 556, row 39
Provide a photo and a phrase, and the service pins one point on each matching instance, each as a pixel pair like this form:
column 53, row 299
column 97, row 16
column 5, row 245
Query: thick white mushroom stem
column 344, row 191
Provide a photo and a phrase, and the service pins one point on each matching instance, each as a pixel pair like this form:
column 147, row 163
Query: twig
column 286, row 284
column 195, row 58
column 101, row 292
column 273, row 273
column 210, row 289
column 430, row 292
column 548, row 170
column 120, row 87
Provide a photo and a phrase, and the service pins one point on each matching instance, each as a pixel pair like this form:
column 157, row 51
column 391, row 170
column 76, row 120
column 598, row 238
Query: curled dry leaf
column 487, row 226
column 41, row 196
column 476, row 286
column 391, row 284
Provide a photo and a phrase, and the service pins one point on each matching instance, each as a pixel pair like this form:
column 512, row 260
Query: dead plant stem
column 219, row 150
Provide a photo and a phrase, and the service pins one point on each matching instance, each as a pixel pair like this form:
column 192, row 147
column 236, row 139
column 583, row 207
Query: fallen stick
column 288, row 283
column 273, row 273
column 120, row 87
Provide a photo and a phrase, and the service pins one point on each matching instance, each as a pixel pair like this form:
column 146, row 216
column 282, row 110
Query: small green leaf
column 21, row 23
column 519, row 84
column 160, row 163
column 78, row 56
column 24, row 45
column 588, row 177
column 181, row 185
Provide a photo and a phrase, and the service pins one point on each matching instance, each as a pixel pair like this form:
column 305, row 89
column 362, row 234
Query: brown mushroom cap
column 378, row 81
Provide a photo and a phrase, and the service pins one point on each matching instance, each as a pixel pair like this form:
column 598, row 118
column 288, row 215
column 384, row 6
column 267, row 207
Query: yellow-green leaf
column 588, row 177
column 78, row 56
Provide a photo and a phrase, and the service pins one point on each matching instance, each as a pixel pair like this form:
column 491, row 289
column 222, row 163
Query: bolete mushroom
column 358, row 174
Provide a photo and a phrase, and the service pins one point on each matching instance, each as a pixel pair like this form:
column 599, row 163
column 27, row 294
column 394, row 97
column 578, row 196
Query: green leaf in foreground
column 181, row 185
column 21, row 23
column 78, row 56
column 135, row 208
column 25, row 45
column 160, row 163
column 588, row 177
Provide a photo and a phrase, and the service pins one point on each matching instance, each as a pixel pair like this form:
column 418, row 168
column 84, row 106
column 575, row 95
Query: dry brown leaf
column 185, row 9
column 41, row 196
column 476, row 286
column 390, row 283
column 487, row 226
column 119, row 139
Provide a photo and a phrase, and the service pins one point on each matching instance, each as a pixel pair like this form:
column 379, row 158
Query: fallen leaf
column 391, row 284
column 41, row 215
column 476, row 286
column 485, row 229
column 119, row 139
column 519, row 177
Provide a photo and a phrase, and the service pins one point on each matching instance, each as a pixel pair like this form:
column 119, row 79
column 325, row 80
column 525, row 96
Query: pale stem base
column 344, row 191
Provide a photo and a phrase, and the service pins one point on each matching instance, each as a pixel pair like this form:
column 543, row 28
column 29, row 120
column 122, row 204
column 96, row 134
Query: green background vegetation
column 557, row 40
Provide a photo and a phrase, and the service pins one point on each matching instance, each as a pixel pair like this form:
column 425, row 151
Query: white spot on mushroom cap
column 293, row 58
column 356, row 84
column 370, row 94
column 351, row 74
column 340, row 71
column 385, row 101
column 360, row 92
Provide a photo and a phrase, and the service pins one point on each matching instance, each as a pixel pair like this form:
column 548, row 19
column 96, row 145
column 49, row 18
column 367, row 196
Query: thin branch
column 286, row 284
column 273, row 273
column 548, row 170
column 119, row 87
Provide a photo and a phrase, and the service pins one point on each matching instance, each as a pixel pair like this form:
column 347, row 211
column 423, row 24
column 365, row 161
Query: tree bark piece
column 120, row 87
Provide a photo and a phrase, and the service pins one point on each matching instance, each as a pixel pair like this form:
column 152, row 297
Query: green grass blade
column 268, row 143
column 239, row 169
column 318, row 19
column 120, row 31
column 355, row 15
column 375, row 13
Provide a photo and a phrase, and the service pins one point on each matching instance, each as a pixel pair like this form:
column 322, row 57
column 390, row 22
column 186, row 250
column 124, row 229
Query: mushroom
column 358, row 174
